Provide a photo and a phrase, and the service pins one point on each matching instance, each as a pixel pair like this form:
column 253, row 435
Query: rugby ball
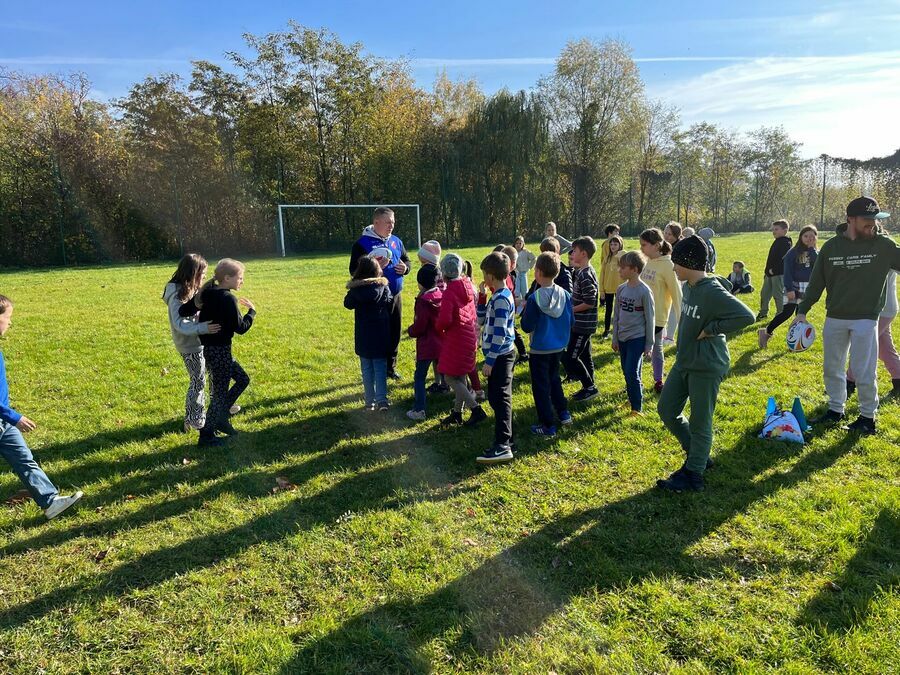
column 800, row 336
column 381, row 252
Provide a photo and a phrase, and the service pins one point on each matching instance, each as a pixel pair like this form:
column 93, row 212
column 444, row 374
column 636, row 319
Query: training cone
column 797, row 410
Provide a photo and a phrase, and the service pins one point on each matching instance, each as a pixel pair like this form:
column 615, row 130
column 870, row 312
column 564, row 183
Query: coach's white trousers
column 860, row 338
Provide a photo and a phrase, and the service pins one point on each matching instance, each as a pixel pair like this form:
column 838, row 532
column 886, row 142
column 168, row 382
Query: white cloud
column 838, row 105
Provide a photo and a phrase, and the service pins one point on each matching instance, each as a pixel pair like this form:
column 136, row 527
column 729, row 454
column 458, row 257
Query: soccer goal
column 282, row 207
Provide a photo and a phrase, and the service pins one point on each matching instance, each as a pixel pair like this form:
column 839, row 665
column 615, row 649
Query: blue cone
column 797, row 410
column 771, row 406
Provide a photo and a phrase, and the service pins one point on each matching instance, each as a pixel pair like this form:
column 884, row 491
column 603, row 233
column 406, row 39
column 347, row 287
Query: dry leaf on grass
column 470, row 542
column 282, row 484
column 19, row 497
column 100, row 555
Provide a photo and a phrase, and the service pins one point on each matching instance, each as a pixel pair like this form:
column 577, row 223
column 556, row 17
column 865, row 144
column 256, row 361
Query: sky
column 828, row 72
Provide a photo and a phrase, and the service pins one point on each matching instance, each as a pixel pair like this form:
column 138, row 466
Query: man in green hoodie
column 708, row 312
column 852, row 267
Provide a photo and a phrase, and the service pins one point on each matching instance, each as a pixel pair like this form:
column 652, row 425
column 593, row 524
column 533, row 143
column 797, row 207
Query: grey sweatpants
column 772, row 289
column 860, row 338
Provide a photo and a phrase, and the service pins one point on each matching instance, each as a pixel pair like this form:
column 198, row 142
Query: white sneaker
column 416, row 415
column 235, row 409
column 61, row 503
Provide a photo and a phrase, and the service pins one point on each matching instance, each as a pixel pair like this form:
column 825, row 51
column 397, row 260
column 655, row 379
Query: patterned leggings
column 194, row 413
column 222, row 370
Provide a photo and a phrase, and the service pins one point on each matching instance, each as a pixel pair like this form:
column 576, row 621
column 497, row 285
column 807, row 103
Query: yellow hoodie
column 659, row 275
column 609, row 274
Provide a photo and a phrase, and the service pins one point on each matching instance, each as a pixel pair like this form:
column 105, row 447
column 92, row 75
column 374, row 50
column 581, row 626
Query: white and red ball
column 800, row 336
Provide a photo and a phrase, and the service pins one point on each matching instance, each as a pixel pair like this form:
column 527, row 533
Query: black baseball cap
column 866, row 207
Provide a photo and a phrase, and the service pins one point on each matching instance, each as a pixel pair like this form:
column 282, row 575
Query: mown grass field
column 395, row 552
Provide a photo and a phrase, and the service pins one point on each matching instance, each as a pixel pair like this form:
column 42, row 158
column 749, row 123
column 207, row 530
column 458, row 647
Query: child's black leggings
column 222, row 370
column 786, row 313
column 608, row 301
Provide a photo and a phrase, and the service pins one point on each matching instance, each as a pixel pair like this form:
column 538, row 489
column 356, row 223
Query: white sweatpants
column 860, row 338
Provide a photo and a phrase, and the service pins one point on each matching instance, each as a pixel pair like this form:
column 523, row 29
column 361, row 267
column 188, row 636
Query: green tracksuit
column 700, row 366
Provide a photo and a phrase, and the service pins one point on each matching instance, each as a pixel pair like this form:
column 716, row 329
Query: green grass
column 396, row 552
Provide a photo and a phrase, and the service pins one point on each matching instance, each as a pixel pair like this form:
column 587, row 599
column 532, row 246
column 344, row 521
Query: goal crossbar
column 281, row 207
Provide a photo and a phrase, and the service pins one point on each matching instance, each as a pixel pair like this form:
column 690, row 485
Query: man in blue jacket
column 379, row 235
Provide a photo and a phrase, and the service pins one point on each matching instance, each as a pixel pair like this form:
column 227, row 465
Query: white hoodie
column 185, row 330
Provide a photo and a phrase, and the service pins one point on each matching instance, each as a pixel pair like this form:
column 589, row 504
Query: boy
column 499, row 354
column 739, row 279
column 708, row 311
column 578, row 360
column 773, row 278
column 634, row 322
column 13, row 447
column 549, row 319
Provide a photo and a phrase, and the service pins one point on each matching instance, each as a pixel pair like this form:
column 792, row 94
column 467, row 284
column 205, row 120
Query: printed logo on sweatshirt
column 692, row 311
column 628, row 305
column 852, row 262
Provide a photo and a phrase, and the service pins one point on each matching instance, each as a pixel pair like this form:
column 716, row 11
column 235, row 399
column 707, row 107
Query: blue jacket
column 549, row 318
column 370, row 240
column 798, row 266
column 371, row 301
column 7, row 414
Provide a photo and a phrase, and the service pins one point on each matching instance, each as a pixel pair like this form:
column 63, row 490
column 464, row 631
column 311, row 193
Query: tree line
column 302, row 117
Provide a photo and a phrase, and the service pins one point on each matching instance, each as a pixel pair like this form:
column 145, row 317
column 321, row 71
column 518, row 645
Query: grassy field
column 392, row 551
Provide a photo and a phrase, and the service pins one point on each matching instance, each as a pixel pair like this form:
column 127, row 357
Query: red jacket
column 428, row 339
column 457, row 322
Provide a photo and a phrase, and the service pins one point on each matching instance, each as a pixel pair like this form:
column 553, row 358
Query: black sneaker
column 829, row 419
column 586, row 394
column 864, row 426
column 394, row 375
column 476, row 417
column 383, row 406
column 227, row 429
column 496, row 455
column 437, row 388
column 209, row 441
column 760, row 317
column 454, row 419
column 709, row 463
column 683, row 480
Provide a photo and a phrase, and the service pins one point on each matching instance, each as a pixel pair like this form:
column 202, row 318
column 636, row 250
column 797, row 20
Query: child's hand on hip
column 25, row 424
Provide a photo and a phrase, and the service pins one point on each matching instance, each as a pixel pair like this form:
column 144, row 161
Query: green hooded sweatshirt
column 853, row 271
column 707, row 306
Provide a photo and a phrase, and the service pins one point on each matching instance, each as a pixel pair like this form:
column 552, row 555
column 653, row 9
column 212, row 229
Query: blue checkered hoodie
column 499, row 325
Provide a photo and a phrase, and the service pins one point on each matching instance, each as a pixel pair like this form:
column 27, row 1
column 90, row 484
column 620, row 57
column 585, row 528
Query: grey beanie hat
column 451, row 266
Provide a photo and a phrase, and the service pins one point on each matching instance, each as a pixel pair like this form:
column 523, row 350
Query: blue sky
column 829, row 72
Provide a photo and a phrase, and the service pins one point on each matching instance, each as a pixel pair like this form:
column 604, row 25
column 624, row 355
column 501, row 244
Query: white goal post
column 281, row 208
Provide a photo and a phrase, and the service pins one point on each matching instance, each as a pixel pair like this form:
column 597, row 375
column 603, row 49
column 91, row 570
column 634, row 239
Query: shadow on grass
column 512, row 594
column 844, row 603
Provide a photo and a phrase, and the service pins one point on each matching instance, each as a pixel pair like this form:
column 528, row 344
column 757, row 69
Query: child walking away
column 549, row 319
column 497, row 343
column 796, row 268
column 370, row 299
column 456, row 322
column 524, row 264
column 702, row 360
column 186, row 332
column 609, row 278
column 633, row 326
column 423, row 329
column 739, row 279
column 13, row 447
column 773, row 278
column 659, row 275
column 219, row 305
column 578, row 360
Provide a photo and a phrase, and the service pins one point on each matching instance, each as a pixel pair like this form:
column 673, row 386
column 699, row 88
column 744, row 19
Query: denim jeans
column 419, row 383
column 15, row 451
column 374, row 374
column 631, row 354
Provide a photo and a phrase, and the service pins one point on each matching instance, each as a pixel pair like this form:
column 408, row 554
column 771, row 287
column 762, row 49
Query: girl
column 219, row 305
column 474, row 379
column 659, row 275
column 633, row 325
column 428, row 340
column 524, row 265
column 182, row 287
column 370, row 299
column 798, row 265
column 672, row 234
column 457, row 323
column 609, row 279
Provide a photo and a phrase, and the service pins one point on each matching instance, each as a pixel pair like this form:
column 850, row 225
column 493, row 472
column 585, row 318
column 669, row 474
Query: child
column 773, row 278
column 429, row 255
column 708, row 311
column 633, row 326
column 739, row 279
column 218, row 305
column 370, row 299
column 796, row 270
column 578, row 360
column 183, row 285
column 609, row 278
column 13, row 447
column 524, row 264
column 610, row 231
column 550, row 231
column 499, row 354
column 428, row 339
column 513, row 255
column 659, row 275
column 474, row 379
column 456, row 322
column 549, row 319
column 564, row 278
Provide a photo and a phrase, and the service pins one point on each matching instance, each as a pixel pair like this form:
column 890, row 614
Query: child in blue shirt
column 13, row 447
